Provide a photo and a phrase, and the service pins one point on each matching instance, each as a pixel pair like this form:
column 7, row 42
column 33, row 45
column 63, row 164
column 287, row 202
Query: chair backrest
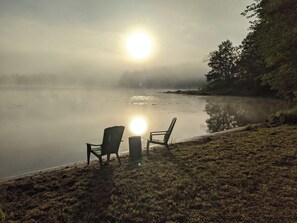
column 112, row 139
column 168, row 132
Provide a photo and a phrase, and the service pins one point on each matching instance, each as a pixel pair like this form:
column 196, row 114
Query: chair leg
column 167, row 146
column 100, row 160
column 118, row 158
column 147, row 147
column 88, row 153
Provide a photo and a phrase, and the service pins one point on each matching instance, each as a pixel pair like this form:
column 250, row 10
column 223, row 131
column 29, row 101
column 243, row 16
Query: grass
column 2, row 215
column 247, row 176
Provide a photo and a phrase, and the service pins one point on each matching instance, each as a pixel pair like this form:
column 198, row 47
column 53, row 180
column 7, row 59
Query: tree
column 251, row 62
column 276, row 35
column 251, row 67
column 223, row 64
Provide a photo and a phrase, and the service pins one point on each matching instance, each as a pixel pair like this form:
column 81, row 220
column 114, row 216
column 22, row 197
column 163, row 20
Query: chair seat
column 97, row 150
column 158, row 141
column 110, row 144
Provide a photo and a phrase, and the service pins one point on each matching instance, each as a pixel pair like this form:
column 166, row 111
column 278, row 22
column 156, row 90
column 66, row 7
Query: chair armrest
column 157, row 132
column 94, row 144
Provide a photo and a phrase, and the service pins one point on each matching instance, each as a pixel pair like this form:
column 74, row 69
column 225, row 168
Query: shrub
column 286, row 116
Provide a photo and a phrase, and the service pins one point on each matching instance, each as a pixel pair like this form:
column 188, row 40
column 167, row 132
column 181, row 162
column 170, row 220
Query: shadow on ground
column 247, row 176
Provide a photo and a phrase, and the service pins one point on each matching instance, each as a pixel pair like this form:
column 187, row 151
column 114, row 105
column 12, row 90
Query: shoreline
column 123, row 154
column 236, row 176
column 209, row 93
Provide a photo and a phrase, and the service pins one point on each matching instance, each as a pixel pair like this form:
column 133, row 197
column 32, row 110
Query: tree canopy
column 267, row 57
column 222, row 63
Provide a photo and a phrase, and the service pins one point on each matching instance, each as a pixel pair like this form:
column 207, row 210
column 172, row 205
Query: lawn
column 246, row 176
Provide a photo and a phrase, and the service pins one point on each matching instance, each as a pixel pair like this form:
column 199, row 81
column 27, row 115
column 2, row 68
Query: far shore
column 189, row 92
column 204, row 92
column 243, row 175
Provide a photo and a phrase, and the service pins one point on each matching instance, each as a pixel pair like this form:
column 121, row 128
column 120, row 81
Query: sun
column 139, row 45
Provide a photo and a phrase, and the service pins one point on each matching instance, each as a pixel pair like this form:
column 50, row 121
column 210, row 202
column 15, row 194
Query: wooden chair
column 156, row 135
column 111, row 142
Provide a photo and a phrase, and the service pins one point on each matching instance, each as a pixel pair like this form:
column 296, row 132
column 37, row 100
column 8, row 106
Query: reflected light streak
column 138, row 125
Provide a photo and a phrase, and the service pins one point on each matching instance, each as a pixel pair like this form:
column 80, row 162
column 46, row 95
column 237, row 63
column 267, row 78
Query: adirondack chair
column 156, row 136
column 110, row 145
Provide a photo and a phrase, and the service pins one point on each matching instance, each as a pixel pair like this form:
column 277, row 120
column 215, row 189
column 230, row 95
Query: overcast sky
column 88, row 36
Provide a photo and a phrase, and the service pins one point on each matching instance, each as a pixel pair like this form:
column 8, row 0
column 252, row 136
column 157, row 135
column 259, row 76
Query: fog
column 86, row 39
column 66, row 74
column 166, row 77
column 42, row 127
column 183, row 76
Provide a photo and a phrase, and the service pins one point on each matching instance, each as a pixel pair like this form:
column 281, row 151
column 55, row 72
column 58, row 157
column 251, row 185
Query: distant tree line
column 266, row 61
column 158, row 79
column 53, row 79
column 28, row 79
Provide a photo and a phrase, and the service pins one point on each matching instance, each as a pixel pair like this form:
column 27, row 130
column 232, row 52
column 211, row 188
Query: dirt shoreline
column 123, row 154
column 242, row 176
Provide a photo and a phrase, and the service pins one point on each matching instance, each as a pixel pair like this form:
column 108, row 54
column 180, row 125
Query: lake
column 43, row 127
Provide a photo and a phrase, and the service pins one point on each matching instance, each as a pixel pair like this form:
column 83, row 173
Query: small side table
column 135, row 152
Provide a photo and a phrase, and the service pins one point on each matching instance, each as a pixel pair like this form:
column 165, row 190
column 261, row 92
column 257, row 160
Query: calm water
column 46, row 127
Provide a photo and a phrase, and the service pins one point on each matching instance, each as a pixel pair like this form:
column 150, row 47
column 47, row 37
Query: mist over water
column 42, row 127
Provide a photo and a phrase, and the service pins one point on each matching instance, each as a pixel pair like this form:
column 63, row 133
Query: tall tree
column 251, row 67
column 275, row 27
column 223, row 64
column 251, row 62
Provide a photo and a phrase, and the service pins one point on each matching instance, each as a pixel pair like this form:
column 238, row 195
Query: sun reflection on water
column 138, row 125
column 142, row 100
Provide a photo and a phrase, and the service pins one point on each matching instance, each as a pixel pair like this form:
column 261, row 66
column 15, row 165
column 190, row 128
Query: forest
column 265, row 64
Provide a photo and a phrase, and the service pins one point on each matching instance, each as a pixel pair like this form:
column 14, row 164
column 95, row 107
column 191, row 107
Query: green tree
column 251, row 67
column 251, row 62
column 223, row 65
column 275, row 29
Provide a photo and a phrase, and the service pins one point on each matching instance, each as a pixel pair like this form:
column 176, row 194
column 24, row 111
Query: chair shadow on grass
column 71, row 194
column 95, row 193
column 171, row 156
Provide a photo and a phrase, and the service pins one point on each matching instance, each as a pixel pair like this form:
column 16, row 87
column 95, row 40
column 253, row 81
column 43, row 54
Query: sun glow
column 138, row 126
column 139, row 46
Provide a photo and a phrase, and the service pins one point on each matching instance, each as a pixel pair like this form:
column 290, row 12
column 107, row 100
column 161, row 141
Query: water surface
column 46, row 127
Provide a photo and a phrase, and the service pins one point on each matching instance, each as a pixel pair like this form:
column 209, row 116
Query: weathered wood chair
column 156, row 136
column 110, row 145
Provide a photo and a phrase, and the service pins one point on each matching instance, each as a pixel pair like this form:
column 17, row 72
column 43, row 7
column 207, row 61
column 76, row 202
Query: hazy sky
column 88, row 36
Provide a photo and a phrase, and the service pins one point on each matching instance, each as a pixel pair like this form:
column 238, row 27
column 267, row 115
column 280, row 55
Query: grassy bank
column 247, row 176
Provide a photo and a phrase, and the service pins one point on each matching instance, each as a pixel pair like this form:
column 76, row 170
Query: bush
column 286, row 116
